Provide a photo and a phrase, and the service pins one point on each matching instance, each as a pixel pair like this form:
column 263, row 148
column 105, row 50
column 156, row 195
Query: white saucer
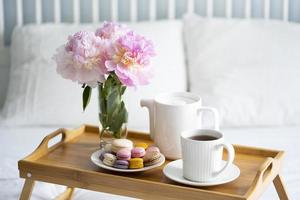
column 173, row 171
column 95, row 159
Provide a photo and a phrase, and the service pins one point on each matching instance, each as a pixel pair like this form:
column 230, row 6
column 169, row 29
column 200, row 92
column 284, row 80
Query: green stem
column 101, row 133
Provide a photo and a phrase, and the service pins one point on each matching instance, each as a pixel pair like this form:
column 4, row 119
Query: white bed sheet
column 25, row 140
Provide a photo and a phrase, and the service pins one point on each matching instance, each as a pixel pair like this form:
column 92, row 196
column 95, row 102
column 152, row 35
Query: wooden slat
column 285, row 10
column 1, row 23
column 152, row 10
column 19, row 9
column 95, row 9
column 27, row 189
column 132, row 188
column 247, row 9
column 133, row 10
column 114, row 10
column 38, row 11
column 57, row 5
column 76, row 11
column 267, row 9
column 191, row 6
column 280, row 188
column 209, row 8
column 228, row 8
column 67, row 195
column 171, row 9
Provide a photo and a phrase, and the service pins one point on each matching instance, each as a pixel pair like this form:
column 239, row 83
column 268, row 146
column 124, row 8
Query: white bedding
column 19, row 142
column 239, row 67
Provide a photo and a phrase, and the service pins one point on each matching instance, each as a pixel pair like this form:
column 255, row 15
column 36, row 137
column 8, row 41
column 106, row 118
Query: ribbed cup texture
column 201, row 159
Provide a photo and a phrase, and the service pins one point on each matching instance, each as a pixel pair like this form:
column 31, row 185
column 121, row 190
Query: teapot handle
column 149, row 103
column 215, row 114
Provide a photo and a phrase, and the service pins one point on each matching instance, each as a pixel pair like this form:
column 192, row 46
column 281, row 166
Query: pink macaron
column 153, row 149
column 137, row 152
column 123, row 154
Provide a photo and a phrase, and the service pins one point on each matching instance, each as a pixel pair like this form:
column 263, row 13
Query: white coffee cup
column 202, row 156
column 172, row 113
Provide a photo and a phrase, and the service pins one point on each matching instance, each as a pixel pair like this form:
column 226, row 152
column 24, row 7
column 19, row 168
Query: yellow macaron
column 136, row 163
column 141, row 144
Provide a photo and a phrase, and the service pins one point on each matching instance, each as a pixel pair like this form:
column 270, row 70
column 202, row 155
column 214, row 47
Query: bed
column 242, row 86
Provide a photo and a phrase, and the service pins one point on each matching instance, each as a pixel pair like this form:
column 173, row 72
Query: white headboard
column 209, row 7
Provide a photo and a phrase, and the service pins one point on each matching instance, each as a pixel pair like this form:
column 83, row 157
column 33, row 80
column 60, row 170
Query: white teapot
column 172, row 113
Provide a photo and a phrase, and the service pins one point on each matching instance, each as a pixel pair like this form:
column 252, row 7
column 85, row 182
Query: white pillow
column 248, row 69
column 37, row 95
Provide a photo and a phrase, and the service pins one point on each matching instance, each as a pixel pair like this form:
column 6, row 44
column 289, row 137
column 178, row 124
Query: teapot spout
column 149, row 103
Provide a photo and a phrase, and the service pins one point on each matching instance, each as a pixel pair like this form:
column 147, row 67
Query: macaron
column 121, row 164
column 101, row 157
column 137, row 152
column 151, row 158
column 107, row 148
column 153, row 149
column 109, row 159
column 141, row 144
column 118, row 144
column 136, row 163
column 124, row 154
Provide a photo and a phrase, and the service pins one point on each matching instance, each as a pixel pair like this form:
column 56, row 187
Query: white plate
column 173, row 171
column 95, row 159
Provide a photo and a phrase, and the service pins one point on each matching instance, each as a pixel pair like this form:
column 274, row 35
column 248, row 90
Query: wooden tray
column 68, row 163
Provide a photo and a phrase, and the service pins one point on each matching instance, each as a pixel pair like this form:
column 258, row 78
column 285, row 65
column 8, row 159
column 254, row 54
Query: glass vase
column 106, row 136
column 113, row 114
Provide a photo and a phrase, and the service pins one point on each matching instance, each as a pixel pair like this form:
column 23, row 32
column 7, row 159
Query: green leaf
column 86, row 96
column 119, row 119
column 113, row 102
column 102, row 101
column 123, row 88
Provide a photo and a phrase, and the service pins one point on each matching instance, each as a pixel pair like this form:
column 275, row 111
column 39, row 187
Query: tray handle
column 265, row 170
column 45, row 143
column 44, row 148
column 262, row 174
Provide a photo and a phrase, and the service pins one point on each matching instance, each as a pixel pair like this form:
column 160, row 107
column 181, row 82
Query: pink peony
column 82, row 58
column 89, row 57
column 130, row 58
column 111, row 30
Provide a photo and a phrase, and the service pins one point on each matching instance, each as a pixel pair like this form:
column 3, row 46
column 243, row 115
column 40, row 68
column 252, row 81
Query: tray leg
column 66, row 195
column 280, row 188
column 27, row 189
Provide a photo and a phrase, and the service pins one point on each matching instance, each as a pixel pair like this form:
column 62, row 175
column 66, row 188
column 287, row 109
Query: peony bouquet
column 111, row 59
